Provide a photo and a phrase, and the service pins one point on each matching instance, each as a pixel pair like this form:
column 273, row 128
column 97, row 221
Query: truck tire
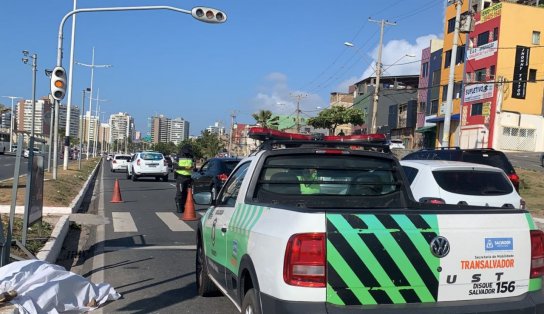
column 134, row 178
column 204, row 285
column 251, row 303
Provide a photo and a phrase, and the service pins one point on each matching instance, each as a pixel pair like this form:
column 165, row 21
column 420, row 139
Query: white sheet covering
column 49, row 288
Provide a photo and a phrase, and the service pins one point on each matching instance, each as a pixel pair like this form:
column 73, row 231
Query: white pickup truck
column 323, row 227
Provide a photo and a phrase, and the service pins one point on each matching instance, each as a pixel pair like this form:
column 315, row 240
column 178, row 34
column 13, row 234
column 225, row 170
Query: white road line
column 172, row 184
column 151, row 247
column 99, row 258
column 173, row 222
column 123, row 222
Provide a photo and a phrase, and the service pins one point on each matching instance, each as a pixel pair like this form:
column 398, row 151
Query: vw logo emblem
column 440, row 247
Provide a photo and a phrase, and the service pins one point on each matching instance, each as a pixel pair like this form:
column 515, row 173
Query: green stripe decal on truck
column 388, row 254
column 530, row 221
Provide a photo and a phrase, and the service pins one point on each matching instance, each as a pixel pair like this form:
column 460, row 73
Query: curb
column 53, row 246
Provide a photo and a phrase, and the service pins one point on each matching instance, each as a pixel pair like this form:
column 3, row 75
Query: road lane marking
column 173, row 222
column 123, row 222
column 151, row 247
column 172, row 184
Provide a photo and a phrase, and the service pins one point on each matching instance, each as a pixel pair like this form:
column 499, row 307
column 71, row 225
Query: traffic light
column 58, row 83
column 208, row 15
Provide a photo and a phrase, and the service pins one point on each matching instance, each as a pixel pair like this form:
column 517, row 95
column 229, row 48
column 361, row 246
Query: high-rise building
column 178, row 130
column 90, row 127
column 104, row 134
column 159, row 129
column 42, row 114
column 5, row 119
column 217, row 128
column 122, row 127
column 74, row 120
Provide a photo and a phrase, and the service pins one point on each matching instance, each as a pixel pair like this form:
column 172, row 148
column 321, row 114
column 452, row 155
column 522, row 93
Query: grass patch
column 58, row 192
column 36, row 237
column 531, row 188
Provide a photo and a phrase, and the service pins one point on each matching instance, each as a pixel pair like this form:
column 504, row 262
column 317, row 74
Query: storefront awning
column 441, row 118
column 426, row 129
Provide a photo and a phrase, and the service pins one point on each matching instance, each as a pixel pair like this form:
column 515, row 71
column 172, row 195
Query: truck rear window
column 469, row 182
column 151, row 156
column 326, row 180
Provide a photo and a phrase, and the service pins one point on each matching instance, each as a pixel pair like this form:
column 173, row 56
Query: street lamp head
column 48, row 72
column 410, row 55
column 25, row 60
column 88, row 89
column 25, row 53
column 348, row 44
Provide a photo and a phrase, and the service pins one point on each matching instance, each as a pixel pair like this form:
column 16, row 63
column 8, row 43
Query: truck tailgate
column 420, row 258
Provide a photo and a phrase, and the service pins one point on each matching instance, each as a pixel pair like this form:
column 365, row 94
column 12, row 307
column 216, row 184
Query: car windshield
column 473, row 182
column 314, row 180
column 151, row 156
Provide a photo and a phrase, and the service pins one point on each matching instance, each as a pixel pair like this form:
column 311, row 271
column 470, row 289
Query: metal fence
column 517, row 138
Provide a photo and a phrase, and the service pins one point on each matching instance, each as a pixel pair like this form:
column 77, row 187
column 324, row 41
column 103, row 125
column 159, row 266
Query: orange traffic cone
column 116, row 196
column 189, row 212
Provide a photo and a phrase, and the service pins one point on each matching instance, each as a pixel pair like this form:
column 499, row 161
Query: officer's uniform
column 183, row 169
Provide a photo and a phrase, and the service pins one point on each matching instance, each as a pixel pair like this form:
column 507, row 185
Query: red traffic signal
column 208, row 15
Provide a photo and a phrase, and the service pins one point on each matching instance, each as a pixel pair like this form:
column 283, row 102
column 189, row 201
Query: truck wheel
column 134, row 178
column 165, row 178
column 128, row 176
column 250, row 305
column 204, row 285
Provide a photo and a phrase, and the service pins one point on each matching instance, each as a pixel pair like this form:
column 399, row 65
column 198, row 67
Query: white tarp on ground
column 49, row 288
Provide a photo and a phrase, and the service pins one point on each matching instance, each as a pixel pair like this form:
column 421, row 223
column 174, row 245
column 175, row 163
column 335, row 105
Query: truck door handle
column 223, row 229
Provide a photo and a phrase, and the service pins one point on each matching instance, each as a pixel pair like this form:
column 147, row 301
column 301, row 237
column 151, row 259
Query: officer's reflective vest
column 185, row 166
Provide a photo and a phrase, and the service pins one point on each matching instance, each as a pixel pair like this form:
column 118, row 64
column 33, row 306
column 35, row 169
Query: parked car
column 212, row 174
column 26, row 152
column 119, row 162
column 109, row 157
column 484, row 156
column 463, row 183
column 148, row 164
column 396, row 144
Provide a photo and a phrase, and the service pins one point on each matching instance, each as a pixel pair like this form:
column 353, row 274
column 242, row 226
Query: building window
column 425, row 69
column 451, row 25
column 532, row 75
column 483, row 39
column 476, row 109
column 436, row 78
column 434, row 106
column 479, row 75
column 536, row 38
column 492, row 72
column 444, row 92
column 447, row 59
column 495, row 34
column 460, row 57
column 457, row 87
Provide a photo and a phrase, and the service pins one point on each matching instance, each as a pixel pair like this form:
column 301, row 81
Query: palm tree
column 265, row 119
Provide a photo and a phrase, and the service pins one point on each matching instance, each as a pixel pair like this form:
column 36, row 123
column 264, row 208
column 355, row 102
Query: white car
column 120, row 162
column 148, row 164
column 455, row 182
column 26, row 152
column 396, row 144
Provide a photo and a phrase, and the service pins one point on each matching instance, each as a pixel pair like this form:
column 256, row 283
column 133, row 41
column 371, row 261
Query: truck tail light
column 223, row 176
column 138, row 162
column 515, row 180
column 432, row 200
column 537, row 253
column 305, row 260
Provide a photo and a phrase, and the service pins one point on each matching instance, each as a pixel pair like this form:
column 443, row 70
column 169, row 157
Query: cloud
column 394, row 59
column 275, row 95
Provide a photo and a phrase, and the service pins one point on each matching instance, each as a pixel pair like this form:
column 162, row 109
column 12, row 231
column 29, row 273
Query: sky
column 267, row 55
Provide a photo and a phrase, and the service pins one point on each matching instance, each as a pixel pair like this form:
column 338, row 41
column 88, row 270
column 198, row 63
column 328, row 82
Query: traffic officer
column 183, row 169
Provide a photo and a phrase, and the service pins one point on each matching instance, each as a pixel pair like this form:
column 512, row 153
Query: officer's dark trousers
column 182, row 184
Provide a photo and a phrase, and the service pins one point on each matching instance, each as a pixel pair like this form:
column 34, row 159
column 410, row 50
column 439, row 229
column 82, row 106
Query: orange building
column 503, row 101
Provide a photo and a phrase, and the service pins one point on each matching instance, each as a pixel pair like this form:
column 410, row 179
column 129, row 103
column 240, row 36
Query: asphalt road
column 145, row 251
column 526, row 160
column 7, row 166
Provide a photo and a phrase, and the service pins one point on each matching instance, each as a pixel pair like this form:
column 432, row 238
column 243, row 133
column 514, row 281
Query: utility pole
column 382, row 23
column 69, row 103
column 232, row 118
column 298, row 97
column 449, row 95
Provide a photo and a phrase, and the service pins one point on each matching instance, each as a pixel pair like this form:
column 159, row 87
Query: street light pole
column 81, row 128
column 69, row 101
column 92, row 66
column 95, row 143
column 11, row 122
